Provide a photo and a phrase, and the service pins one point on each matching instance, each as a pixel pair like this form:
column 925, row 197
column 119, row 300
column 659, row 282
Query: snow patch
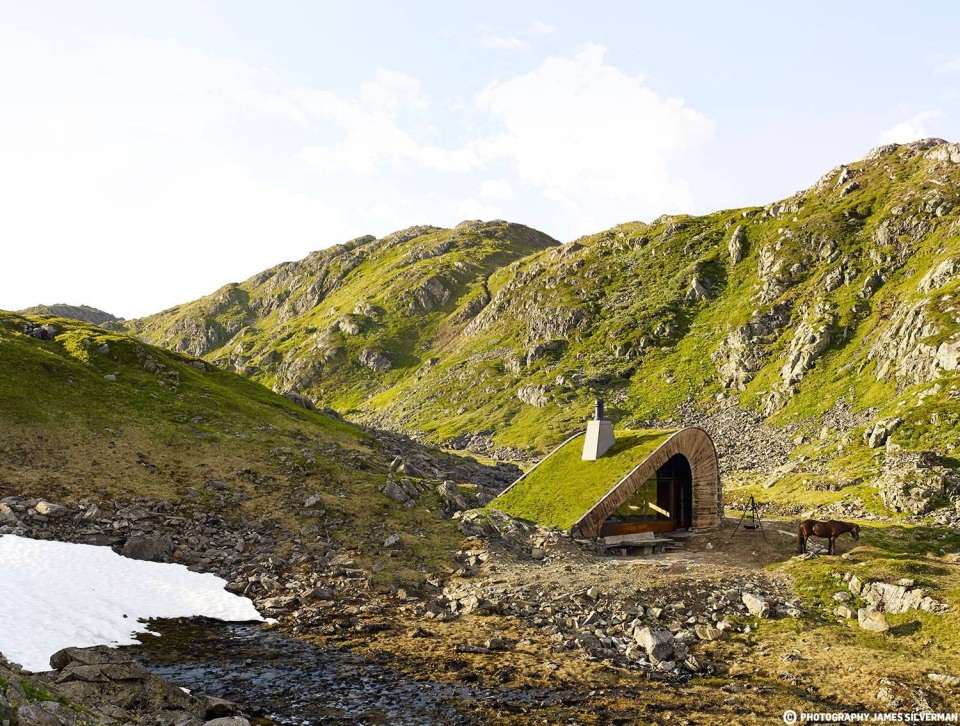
column 54, row 595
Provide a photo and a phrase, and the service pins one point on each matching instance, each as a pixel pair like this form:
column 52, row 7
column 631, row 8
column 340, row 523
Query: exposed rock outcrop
column 743, row 352
column 916, row 482
column 375, row 360
column 534, row 395
column 102, row 685
column 811, row 339
column 737, row 246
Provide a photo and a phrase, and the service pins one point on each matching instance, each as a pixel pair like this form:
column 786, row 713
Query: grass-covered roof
column 563, row 487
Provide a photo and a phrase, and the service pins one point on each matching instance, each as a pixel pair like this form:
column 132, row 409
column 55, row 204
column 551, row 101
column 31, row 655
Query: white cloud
column 504, row 42
column 582, row 131
column 949, row 66
column 372, row 129
column 496, row 189
column 115, row 187
column 474, row 209
column 911, row 129
column 140, row 174
column 539, row 27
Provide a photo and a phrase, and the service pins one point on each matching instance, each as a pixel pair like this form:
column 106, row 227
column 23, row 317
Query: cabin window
column 663, row 498
column 646, row 505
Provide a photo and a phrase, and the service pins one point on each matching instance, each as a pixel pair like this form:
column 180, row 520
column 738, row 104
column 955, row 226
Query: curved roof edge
column 562, row 487
column 689, row 440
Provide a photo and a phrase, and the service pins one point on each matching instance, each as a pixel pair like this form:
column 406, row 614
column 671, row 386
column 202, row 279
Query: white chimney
column 599, row 435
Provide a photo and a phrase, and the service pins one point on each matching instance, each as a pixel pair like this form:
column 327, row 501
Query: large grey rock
column 658, row 642
column 708, row 632
column 349, row 325
column 916, row 482
column 756, row 605
column 877, row 435
column 40, row 332
column 395, row 492
column 300, row 400
column 151, row 548
column 34, row 714
column 430, row 294
column 451, row 495
column 533, row 395
column 48, row 509
column 699, row 289
column 6, row 514
column 374, row 360
column 228, row 721
column 872, row 620
column 738, row 244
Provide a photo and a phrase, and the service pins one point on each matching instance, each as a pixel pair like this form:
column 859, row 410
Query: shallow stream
column 289, row 681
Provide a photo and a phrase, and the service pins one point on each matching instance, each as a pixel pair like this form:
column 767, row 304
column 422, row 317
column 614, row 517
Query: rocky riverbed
column 526, row 625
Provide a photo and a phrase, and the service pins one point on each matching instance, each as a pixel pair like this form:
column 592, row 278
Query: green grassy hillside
column 824, row 314
column 346, row 322
column 92, row 414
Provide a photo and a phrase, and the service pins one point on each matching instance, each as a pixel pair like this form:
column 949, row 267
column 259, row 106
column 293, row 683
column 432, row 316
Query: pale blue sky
column 152, row 151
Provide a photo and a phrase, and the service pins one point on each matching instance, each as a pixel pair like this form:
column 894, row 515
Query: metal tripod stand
column 755, row 522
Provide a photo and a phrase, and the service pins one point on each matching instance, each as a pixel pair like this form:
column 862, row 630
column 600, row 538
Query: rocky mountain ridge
column 830, row 317
column 83, row 313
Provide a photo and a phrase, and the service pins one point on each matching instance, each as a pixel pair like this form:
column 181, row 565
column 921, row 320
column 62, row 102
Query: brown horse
column 828, row 530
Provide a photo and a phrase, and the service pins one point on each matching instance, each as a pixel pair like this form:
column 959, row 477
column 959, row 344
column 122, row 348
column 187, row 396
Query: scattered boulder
column 40, row 332
column 872, row 620
column 349, row 325
column 47, row 509
column 153, row 549
column 699, row 290
column 7, row 515
column 534, row 395
column 658, row 642
column 395, row 492
column 375, row 360
column 708, row 632
column 756, row 605
column 455, row 501
column 877, row 435
column 300, row 400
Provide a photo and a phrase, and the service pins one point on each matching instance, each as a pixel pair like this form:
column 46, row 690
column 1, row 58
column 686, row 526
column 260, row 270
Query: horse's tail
column 800, row 539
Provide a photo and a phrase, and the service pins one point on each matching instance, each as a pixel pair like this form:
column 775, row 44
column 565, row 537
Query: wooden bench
column 646, row 542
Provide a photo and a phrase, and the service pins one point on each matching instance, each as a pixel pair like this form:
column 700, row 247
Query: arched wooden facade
column 695, row 445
